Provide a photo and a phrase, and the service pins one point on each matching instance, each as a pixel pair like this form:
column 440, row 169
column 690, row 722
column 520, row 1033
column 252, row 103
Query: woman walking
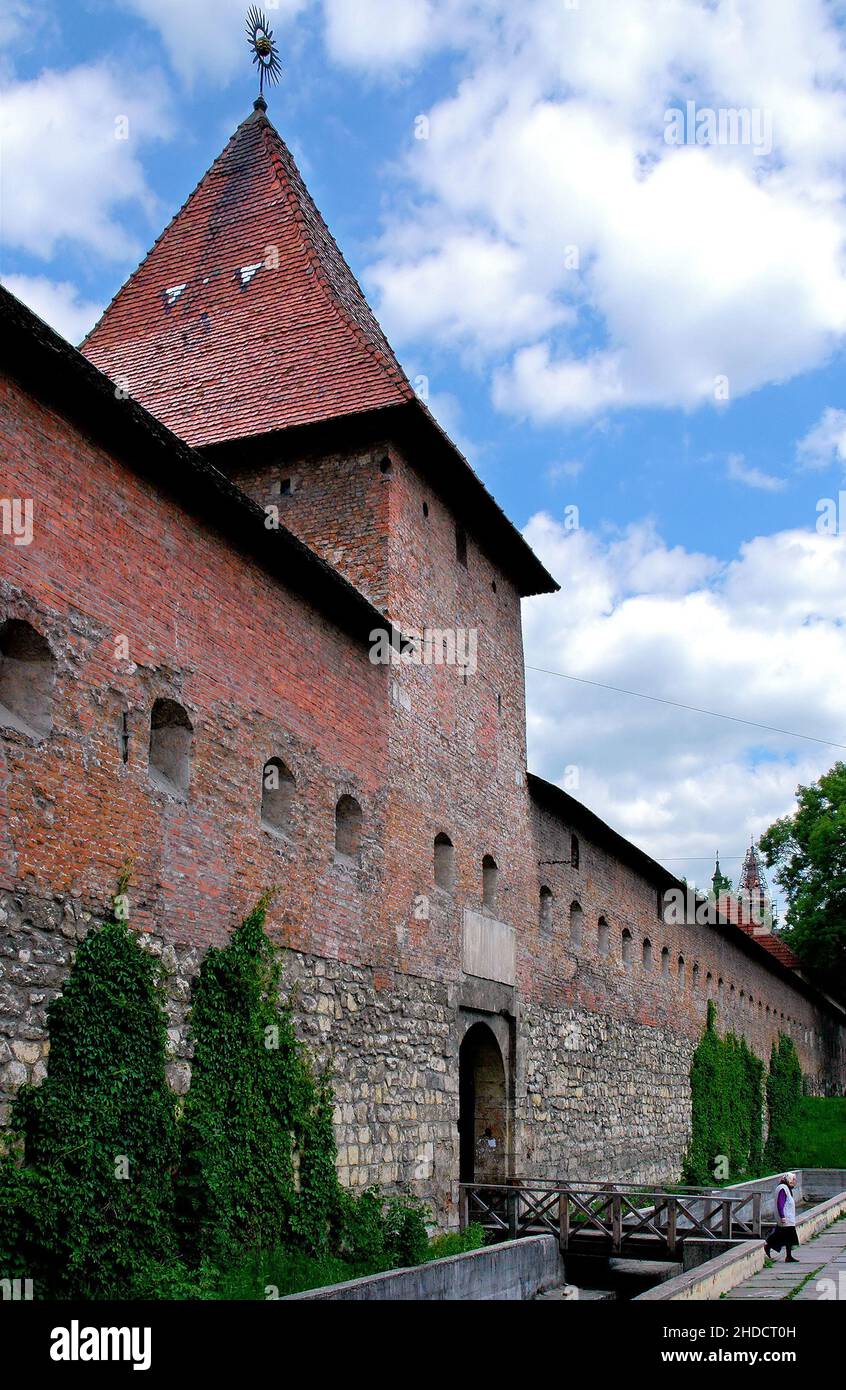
column 783, row 1233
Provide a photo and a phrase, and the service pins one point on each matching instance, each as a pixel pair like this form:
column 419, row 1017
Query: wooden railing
column 612, row 1215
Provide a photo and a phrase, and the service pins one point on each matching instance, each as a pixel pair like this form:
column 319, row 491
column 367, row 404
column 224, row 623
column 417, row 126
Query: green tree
column 808, row 850
column 90, row 1206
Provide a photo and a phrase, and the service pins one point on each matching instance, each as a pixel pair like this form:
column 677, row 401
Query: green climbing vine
column 86, row 1194
column 258, row 1160
column 784, row 1099
column 726, row 1083
column 107, row 1191
column 727, row 1099
column 258, row 1146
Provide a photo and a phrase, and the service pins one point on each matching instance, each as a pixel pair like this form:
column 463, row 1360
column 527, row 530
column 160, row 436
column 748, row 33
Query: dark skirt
column 781, row 1237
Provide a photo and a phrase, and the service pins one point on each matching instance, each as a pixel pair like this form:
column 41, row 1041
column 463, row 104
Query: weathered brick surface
column 337, row 504
column 597, row 1075
column 259, row 672
column 752, row 1001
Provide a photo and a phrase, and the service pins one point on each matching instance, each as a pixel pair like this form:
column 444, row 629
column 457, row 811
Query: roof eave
column 574, row 813
column 412, row 426
column 47, row 366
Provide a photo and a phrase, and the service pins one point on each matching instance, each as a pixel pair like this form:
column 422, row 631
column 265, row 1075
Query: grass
column 817, row 1139
column 799, row 1287
column 818, row 1136
column 269, row 1274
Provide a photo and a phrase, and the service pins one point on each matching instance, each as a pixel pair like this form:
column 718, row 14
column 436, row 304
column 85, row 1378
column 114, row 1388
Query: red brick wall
column 263, row 674
column 338, row 505
column 454, row 755
column 454, row 752
column 258, row 670
column 582, row 978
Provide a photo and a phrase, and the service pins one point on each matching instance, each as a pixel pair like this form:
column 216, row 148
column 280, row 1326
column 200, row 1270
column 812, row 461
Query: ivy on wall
column 258, row 1145
column 726, row 1083
column 91, row 1202
column 784, row 1100
column 727, row 1099
column 107, row 1192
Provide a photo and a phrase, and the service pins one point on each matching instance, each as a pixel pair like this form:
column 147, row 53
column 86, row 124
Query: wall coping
column 774, row 1178
column 533, row 1262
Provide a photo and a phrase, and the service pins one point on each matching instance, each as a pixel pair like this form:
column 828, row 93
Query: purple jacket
column 785, row 1206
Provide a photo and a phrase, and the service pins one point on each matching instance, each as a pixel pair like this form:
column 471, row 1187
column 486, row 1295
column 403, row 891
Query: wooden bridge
column 614, row 1217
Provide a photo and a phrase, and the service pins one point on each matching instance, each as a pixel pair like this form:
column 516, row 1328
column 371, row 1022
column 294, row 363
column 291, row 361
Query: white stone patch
column 425, row 1165
column 400, row 696
column 248, row 271
column 172, row 294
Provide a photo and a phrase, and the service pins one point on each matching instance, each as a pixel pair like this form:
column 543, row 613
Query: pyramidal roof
column 752, row 876
column 245, row 317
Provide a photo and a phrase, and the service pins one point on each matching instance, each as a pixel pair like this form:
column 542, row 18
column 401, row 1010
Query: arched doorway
column 482, row 1107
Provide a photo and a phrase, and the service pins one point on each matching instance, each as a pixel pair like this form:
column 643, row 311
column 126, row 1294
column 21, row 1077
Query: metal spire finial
column 264, row 50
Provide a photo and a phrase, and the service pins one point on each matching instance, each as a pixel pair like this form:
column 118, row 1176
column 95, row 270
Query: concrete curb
column 717, row 1276
column 515, row 1270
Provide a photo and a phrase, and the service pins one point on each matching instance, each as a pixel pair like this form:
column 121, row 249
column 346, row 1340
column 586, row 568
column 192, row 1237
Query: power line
column 694, row 709
column 687, row 858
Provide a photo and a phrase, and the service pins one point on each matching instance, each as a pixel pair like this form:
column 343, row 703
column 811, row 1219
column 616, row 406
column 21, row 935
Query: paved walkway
column 823, row 1257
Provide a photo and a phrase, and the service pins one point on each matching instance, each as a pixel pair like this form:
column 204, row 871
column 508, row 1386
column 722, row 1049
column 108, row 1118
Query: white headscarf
column 788, row 1178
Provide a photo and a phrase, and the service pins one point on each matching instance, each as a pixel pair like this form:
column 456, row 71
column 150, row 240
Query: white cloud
column 761, row 638
column 382, row 35
column 739, row 471
column 206, row 39
column 57, row 302
column 826, row 442
column 533, row 385
column 693, row 263
column 567, row 468
column 17, row 17
column 472, row 287
column 67, row 171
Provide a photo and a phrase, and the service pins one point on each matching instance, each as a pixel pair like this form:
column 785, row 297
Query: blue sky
column 697, row 573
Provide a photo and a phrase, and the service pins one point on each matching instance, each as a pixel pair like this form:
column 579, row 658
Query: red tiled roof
column 245, row 317
column 773, row 944
column 734, row 908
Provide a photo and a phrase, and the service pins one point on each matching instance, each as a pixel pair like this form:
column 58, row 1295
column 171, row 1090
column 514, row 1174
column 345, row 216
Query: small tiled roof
column 244, row 317
column 773, row 944
column 737, row 908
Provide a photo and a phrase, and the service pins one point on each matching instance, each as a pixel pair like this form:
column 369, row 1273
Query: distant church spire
column 753, row 887
column 719, row 882
column 752, row 876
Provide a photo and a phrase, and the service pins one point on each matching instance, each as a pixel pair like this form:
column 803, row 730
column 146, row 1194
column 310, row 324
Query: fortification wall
column 596, row 1044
